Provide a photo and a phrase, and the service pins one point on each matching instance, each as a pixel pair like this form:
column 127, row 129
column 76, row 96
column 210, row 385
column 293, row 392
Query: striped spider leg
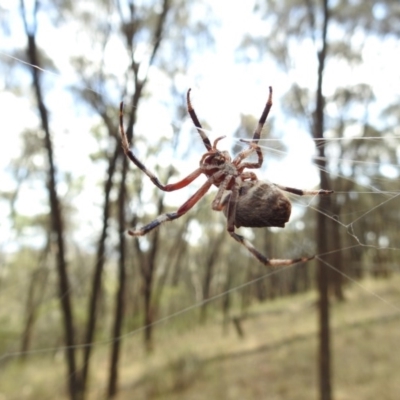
column 244, row 199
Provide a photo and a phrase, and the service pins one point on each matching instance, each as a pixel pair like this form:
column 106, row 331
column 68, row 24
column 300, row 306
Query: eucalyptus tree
column 156, row 39
column 311, row 41
column 123, row 50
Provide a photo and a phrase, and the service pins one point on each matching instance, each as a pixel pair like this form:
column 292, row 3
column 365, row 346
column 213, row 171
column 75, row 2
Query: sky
column 241, row 88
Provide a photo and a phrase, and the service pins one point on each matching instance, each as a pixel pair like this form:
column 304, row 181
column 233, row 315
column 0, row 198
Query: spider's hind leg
column 301, row 192
column 272, row 262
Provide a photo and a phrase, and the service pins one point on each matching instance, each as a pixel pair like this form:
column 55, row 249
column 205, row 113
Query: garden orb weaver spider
column 244, row 199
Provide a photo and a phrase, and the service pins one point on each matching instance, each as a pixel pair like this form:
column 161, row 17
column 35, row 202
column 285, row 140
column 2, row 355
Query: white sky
column 241, row 88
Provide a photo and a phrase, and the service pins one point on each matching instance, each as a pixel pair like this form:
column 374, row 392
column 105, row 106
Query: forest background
column 87, row 312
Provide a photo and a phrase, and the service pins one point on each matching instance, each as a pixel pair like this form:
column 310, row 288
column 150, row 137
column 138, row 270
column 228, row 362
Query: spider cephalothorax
column 244, row 199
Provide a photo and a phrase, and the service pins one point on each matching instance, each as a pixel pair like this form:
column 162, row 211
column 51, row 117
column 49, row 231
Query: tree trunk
column 148, row 271
column 33, row 301
column 323, row 225
column 119, row 304
column 336, row 258
column 57, row 228
column 210, row 262
column 227, row 302
column 98, row 270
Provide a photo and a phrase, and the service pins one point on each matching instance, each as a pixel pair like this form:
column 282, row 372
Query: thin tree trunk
column 57, row 228
column 148, row 271
column 119, row 304
column 324, row 363
column 98, row 270
column 33, row 301
column 176, row 254
column 226, row 302
column 323, row 309
column 336, row 258
column 210, row 262
column 139, row 86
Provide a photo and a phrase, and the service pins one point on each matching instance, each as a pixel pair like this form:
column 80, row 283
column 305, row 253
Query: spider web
column 381, row 241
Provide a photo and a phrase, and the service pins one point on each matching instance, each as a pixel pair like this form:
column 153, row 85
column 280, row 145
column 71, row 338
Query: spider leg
column 128, row 152
column 218, row 203
column 242, row 165
column 253, row 147
column 300, row 192
column 272, row 262
column 263, row 118
column 183, row 209
column 256, row 137
column 245, row 153
column 196, row 122
column 231, row 229
column 248, row 176
column 257, row 132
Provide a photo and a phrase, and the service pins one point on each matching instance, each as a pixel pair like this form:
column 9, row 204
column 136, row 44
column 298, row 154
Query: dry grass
column 275, row 360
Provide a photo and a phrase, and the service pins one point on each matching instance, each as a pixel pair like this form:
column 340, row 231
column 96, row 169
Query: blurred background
column 87, row 312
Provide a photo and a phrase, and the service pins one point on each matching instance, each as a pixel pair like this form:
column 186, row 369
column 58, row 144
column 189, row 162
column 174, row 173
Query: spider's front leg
column 256, row 137
column 183, row 209
column 196, row 122
column 231, row 217
column 128, row 152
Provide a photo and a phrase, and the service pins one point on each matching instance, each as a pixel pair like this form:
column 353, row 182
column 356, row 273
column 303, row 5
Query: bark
column 227, row 300
column 174, row 259
column 119, row 304
column 34, row 298
column 99, row 267
column 148, row 270
column 336, row 258
column 130, row 33
column 210, row 263
column 57, row 228
column 324, row 361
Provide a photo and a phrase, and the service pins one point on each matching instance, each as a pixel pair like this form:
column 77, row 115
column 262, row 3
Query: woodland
column 89, row 312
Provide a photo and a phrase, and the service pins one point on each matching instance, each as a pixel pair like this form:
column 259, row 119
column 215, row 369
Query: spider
column 244, row 199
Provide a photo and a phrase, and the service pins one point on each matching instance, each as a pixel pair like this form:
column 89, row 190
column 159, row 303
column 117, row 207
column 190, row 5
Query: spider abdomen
column 260, row 205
